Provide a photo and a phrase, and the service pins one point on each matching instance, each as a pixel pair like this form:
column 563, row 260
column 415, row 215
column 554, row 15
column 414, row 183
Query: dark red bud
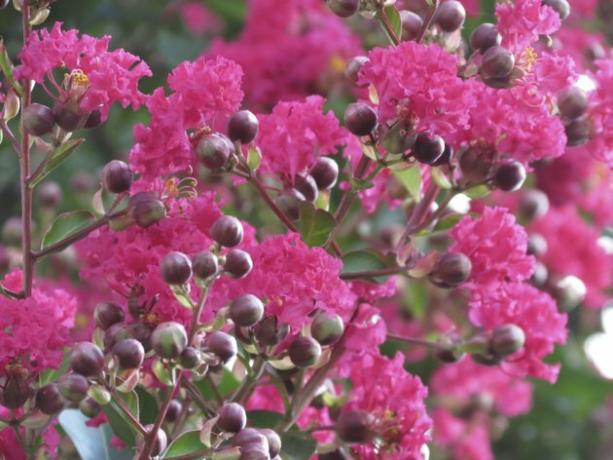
column 129, row 353
column 360, row 119
column 93, row 120
column 246, row 310
column 69, row 117
column 117, row 176
column 449, row 355
column 106, row 314
column 537, row 245
column 227, row 231
column 497, row 62
column 222, row 345
column 268, row 332
column 49, row 400
column 214, row 150
column 238, row 263
column 86, row 359
column 243, row 126
column 274, row 441
column 250, row 437
column 562, row 7
column 510, row 176
column 176, row 268
column 50, row 194
column 89, row 407
column 411, row 25
column 141, row 332
column 174, row 410
column 146, row 209
column 190, row 358
column 446, row 157
column 15, row 393
column 506, row 340
column 325, row 173
column 428, row 148
column 327, row 328
column 307, row 186
column 169, row 339
column 534, row 204
column 578, row 131
column 304, row 351
column 232, row 418
column 38, row 119
column 452, row 269
column 73, row 387
column 484, row 37
column 353, row 68
column 204, row 265
column 450, row 16
column 354, row 427
column 572, row 102
column 344, row 8
column 476, row 163
column 161, row 441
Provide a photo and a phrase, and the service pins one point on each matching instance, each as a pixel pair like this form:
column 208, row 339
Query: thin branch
column 270, row 202
column 128, row 413
column 428, row 21
column 385, row 22
column 10, row 136
column 414, row 341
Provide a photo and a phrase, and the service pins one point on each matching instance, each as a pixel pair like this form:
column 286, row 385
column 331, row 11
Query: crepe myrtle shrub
column 350, row 229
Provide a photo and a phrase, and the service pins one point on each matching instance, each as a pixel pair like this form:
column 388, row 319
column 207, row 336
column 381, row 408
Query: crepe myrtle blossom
column 94, row 77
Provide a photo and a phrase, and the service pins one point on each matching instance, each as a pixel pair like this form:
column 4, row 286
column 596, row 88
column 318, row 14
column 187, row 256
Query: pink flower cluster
column 113, row 76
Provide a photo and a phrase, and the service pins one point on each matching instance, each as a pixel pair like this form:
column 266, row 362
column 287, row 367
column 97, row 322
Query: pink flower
column 496, row 246
column 288, row 49
column 601, row 113
column 395, row 399
column 572, row 249
column 9, row 445
column 112, row 76
column 197, row 18
column 295, row 134
column 532, row 310
column 294, row 280
column 522, row 21
column 419, row 83
column 466, row 379
column 466, row 440
column 365, row 333
column 34, row 330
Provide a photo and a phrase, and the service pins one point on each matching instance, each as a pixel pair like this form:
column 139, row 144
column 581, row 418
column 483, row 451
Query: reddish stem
column 427, row 22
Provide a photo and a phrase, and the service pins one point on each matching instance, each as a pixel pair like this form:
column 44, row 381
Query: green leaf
column 254, row 158
column 60, row 154
column 440, row 178
column 411, row 180
column 91, row 443
column 51, row 375
column 359, row 185
column 315, row 225
column 394, row 18
column 363, row 261
column 228, row 384
column 296, row 446
column 65, row 225
column 119, row 422
column 448, row 222
column 147, row 406
column 7, row 69
column 478, row 191
column 264, row 418
column 416, row 299
column 187, row 443
column 370, row 152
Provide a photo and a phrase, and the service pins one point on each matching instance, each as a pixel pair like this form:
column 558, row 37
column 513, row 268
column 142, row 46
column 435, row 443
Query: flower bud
column 510, row 176
column 243, row 126
column 49, row 400
column 569, row 292
column 106, row 314
column 141, row 332
column 38, row 119
column 89, row 407
column 537, row 245
column 411, row 25
column 190, row 358
column 169, row 339
column 221, row 344
column 360, row 119
column 204, row 265
column 232, row 418
column 344, row 8
column 304, row 351
column 289, row 203
column 476, row 163
column 307, row 186
column 274, row 441
column 86, row 359
column 449, row 355
column 452, row 269
column 117, row 176
column 246, row 310
column 325, row 173
column 114, row 334
column 73, row 387
column 540, row 275
column 450, row 16
column 354, row 427
column 446, row 157
column 484, row 37
column 572, row 102
column 506, row 340
column 174, row 410
column 12, row 231
column 227, row 231
column 428, row 148
column 578, row 131
column 561, row 7
column 353, row 68
column 254, row 452
column 238, row 263
column 176, row 268
column 129, row 353
column 327, row 328
column 250, row 437
column 497, row 62
column 338, row 454
column 94, row 119
column 50, row 194
column 486, row 359
column 160, row 443
column 214, row 150
column 533, row 204
column 146, row 209
column 15, row 393
column 268, row 332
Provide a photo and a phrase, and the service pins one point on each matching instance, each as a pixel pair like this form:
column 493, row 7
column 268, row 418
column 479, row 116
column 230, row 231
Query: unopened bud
column 562, row 7
column 238, row 263
column 221, row 344
column 307, row 186
column 411, row 25
column 38, row 119
column 190, row 358
column 449, row 355
column 578, row 131
column 146, row 209
column 325, row 173
column 572, row 102
column 533, row 205
column 246, row 310
column 509, row 176
column 243, row 126
column 204, row 265
column 428, row 148
column 250, row 437
column 50, row 194
column 497, row 62
column 174, row 410
column 353, row 68
column 169, row 339
column 49, row 400
column 89, row 407
column 141, row 332
column 160, row 443
column 506, row 340
column 476, row 163
column 86, row 359
column 354, row 427
column 450, row 16
column 570, row 291
column 15, row 393
column 214, row 150
column 129, row 353
column 304, row 351
column 117, row 176
column 268, row 332
column 176, row 268
column 274, row 441
column 232, row 418
column 451, row 270
column 227, row 231
column 360, row 119
column 484, row 37
column 327, row 328
column 106, row 314
column 73, row 387
column 94, row 120
column 537, row 245
column 68, row 116
column 344, row 8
